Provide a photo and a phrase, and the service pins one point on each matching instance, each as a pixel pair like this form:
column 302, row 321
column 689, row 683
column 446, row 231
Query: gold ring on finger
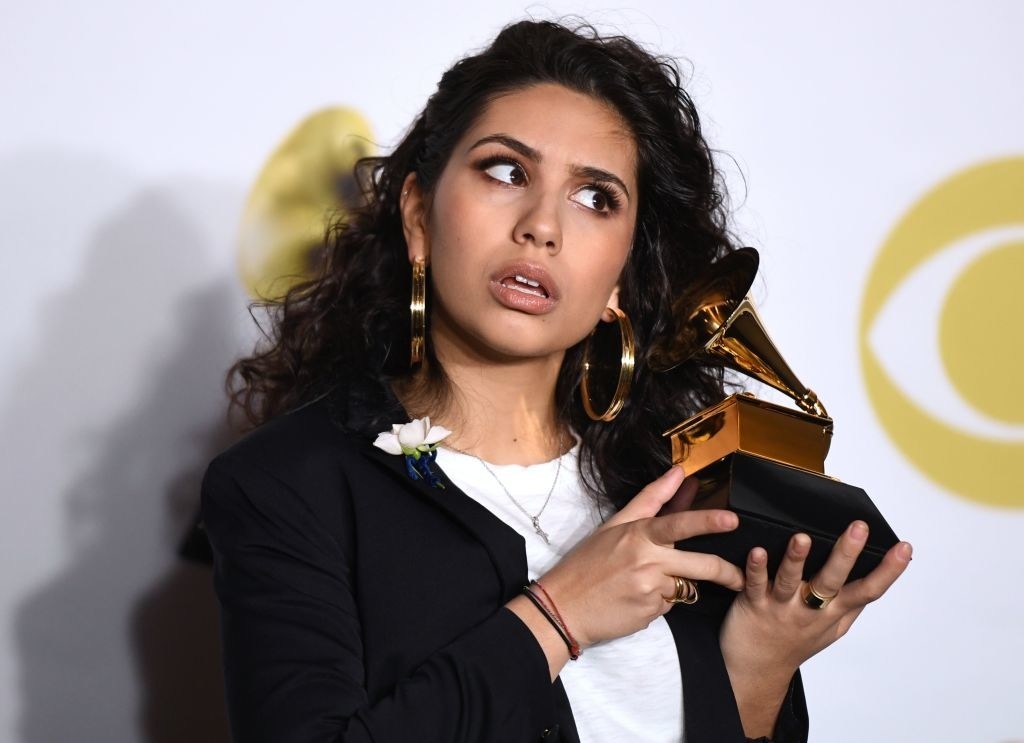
column 814, row 599
column 686, row 592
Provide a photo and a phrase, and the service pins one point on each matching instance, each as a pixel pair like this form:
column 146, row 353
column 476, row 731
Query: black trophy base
column 775, row 501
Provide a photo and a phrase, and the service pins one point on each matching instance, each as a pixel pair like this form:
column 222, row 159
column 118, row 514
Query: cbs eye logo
column 942, row 334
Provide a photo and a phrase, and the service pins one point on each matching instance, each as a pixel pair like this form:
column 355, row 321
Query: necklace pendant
column 535, row 520
column 540, row 532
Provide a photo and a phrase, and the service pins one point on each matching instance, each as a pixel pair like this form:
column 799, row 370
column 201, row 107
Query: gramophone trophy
column 762, row 460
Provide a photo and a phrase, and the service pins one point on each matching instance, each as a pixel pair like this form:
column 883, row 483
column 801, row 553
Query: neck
column 502, row 412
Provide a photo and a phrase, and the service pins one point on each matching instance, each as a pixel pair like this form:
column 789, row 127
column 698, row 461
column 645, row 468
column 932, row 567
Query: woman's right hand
column 615, row 581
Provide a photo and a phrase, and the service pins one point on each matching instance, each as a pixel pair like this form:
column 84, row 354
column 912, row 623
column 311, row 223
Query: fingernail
column 758, row 556
column 859, row 530
column 905, row 551
column 676, row 470
column 728, row 520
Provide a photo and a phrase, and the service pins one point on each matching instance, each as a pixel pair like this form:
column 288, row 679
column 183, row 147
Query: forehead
column 563, row 125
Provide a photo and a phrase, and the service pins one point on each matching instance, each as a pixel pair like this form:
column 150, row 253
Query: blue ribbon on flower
column 418, row 466
column 417, row 441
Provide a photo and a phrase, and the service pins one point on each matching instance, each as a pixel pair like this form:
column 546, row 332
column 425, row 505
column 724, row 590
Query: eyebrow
column 581, row 171
column 596, row 174
column 512, row 143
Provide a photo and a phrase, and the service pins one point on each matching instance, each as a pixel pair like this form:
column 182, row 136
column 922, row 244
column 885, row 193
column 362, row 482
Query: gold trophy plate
column 744, row 423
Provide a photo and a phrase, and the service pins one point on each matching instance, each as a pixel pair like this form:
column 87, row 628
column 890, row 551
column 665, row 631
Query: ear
column 413, row 206
column 612, row 303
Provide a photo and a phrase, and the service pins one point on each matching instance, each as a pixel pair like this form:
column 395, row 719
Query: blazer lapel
column 360, row 409
column 504, row 545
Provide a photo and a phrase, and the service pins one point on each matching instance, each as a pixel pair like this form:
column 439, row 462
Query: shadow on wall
column 124, row 391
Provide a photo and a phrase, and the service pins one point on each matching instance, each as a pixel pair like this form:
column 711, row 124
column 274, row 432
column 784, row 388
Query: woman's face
column 528, row 228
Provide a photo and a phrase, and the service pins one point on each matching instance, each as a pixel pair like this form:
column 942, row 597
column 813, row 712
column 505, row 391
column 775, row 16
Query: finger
column 757, row 583
column 702, row 566
column 683, row 498
column 649, row 501
column 836, row 570
column 791, row 570
column 877, row 582
column 674, row 527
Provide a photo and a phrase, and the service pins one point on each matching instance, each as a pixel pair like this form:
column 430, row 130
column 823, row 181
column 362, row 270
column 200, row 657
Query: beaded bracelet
column 554, row 617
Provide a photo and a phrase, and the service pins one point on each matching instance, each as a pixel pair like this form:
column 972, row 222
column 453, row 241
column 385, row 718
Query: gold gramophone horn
column 732, row 335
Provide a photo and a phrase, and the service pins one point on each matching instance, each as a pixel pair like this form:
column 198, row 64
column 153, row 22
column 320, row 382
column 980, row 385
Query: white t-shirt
column 625, row 689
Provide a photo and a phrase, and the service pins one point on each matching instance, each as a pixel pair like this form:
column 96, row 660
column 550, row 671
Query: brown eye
column 507, row 172
column 595, row 198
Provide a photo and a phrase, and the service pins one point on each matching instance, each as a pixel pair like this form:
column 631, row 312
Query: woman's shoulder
column 305, row 433
column 287, row 483
column 296, row 477
column 320, row 454
column 305, row 450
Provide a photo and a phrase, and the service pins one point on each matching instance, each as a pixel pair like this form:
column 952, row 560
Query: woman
column 554, row 181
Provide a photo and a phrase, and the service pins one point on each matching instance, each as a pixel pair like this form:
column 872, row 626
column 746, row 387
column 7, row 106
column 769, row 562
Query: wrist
column 759, row 698
column 551, row 643
column 749, row 667
column 558, row 592
column 541, row 599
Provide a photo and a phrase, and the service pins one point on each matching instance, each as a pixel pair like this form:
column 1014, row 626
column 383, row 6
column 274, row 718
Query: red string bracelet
column 574, row 647
column 536, row 601
column 570, row 644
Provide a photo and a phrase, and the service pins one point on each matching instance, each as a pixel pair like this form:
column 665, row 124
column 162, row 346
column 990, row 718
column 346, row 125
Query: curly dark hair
column 350, row 324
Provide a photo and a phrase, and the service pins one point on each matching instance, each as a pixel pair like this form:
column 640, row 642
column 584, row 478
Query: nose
column 539, row 224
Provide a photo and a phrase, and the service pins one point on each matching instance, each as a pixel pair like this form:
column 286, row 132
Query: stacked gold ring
column 686, row 592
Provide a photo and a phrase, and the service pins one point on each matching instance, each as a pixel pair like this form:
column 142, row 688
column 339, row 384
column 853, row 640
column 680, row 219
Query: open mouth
column 526, row 285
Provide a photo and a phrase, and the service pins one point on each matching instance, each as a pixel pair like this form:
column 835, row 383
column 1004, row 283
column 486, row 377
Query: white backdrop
column 129, row 137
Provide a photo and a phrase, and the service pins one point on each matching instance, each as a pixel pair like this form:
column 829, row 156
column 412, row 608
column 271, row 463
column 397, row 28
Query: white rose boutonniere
column 417, row 440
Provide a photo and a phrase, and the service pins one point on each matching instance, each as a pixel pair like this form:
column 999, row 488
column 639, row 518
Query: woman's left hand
column 770, row 629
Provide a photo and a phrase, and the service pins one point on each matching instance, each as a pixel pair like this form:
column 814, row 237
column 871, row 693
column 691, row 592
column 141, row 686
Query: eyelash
column 489, row 162
column 612, row 197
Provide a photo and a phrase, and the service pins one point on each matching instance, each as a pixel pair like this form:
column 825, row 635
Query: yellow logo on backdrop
column 307, row 182
column 980, row 332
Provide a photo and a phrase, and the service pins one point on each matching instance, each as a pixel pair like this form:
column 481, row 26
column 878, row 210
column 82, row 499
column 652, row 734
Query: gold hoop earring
column 418, row 312
column 625, row 375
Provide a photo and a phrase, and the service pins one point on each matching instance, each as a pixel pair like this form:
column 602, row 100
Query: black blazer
column 359, row 605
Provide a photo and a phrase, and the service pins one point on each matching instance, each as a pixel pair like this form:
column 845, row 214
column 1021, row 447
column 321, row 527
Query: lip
column 524, row 300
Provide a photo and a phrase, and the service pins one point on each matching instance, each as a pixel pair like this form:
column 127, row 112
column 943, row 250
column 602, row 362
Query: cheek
column 447, row 240
column 597, row 286
column 456, row 266
column 455, row 226
column 606, row 264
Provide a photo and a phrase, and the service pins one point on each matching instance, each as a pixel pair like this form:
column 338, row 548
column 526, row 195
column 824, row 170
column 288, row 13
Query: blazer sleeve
column 293, row 659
